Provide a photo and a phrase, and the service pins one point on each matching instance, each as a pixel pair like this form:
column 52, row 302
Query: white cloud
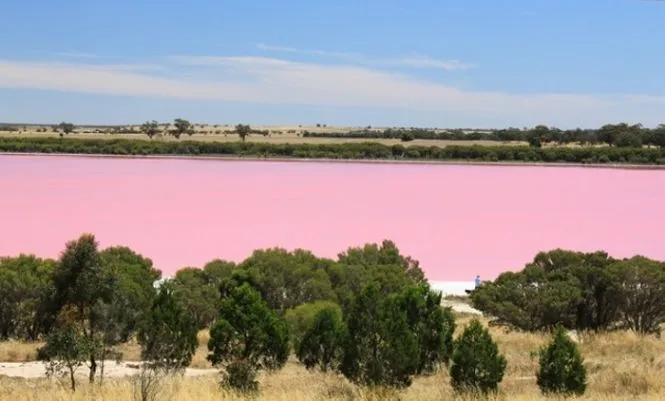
column 277, row 81
column 414, row 61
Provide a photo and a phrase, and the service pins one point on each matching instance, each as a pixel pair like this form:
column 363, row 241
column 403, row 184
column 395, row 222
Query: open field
column 621, row 366
column 272, row 138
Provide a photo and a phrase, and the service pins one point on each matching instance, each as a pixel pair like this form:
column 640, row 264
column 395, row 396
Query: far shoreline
column 620, row 166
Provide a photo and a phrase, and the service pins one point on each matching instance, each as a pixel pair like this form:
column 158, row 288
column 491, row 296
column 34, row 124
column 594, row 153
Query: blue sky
column 446, row 63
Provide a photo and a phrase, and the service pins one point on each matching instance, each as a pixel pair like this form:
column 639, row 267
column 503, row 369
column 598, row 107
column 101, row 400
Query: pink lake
column 459, row 221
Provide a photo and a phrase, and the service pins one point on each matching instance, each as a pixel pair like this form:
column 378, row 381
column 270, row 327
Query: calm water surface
column 459, row 221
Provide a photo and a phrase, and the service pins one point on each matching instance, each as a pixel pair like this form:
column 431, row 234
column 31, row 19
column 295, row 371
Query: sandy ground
column 34, row 370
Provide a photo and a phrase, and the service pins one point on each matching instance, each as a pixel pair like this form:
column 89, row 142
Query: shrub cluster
column 349, row 151
column 583, row 291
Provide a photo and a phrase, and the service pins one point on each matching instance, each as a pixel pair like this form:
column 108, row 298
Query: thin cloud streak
column 281, row 82
column 415, row 61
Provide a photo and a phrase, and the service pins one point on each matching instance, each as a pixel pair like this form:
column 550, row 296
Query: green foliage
column 373, row 263
column 380, row 349
column 288, row 279
column 640, row 293
column 433, row 326
column 25, row 286
column 477, row 366
column 84, row 289
column 559, row 287
column 562, row 368
column 134, row 291
column 301, row 318
column 355, row 150
column 181, row 127
column 240, row 376
column 65, row 351
column 150, row 128
column 247, row 332
column 168, row 336
column 322, row 342
column 243, row 131
column 194, row 291
column 66, row 128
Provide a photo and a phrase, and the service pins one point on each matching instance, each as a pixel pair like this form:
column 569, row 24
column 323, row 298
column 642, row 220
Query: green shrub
column 562, row 368
column 477, row 366
column 321, row 344
column 380, row 350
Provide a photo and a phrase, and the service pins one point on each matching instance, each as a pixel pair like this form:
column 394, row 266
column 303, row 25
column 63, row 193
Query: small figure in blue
column 478, row 282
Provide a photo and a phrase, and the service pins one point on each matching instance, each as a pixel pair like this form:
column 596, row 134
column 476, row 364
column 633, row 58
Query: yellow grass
column 273, row 138
column 621, row 366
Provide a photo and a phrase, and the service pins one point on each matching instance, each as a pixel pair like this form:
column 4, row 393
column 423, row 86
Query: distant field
column 271, row 138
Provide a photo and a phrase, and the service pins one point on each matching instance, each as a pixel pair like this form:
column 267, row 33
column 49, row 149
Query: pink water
column 459, row 221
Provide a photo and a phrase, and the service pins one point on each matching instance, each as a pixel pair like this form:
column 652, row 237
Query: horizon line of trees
column 369, row 315
column 620, row 135
column 343, row 151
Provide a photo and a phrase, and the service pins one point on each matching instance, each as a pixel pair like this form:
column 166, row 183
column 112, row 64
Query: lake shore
column 348, row 161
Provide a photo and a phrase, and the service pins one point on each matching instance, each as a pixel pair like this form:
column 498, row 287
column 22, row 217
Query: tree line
column 369, row 315
column 620, row 135
column 344, row 151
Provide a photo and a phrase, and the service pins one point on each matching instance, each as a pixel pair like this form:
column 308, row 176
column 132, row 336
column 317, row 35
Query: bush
column 247, row 337
column 562, row 368
column 477, row 366
column 321, row 344
column 302, row 317
column 380, row 349
column 432, row 325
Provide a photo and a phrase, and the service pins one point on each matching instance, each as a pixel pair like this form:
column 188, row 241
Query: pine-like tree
column 477, row 365
column 562, row 368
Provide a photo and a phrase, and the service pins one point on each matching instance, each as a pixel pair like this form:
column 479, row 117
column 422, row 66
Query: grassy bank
column 338, row 151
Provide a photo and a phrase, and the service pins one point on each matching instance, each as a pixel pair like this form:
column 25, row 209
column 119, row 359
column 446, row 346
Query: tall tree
column 150, row 128
column 168, row 335
column 380, row 350
column 243, row 131
column 83, row 286
column 247, row 337
column 182, row 127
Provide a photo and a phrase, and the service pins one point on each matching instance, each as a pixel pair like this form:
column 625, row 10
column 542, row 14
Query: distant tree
column 181, row 127
column 380, row 350
column 477, row 366
column 150, row 128
column 628, row 140
column 321, row 344
column 247, row 337
column 561, row 370
column 168, row 335
column 65, row 128
column 243, row 131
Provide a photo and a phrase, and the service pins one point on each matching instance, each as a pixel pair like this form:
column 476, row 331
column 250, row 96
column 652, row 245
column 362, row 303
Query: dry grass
column 273, row 138
column 621, row 366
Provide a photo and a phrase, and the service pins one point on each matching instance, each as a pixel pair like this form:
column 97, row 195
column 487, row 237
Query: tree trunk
column 72, row 379
column 93, row 369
